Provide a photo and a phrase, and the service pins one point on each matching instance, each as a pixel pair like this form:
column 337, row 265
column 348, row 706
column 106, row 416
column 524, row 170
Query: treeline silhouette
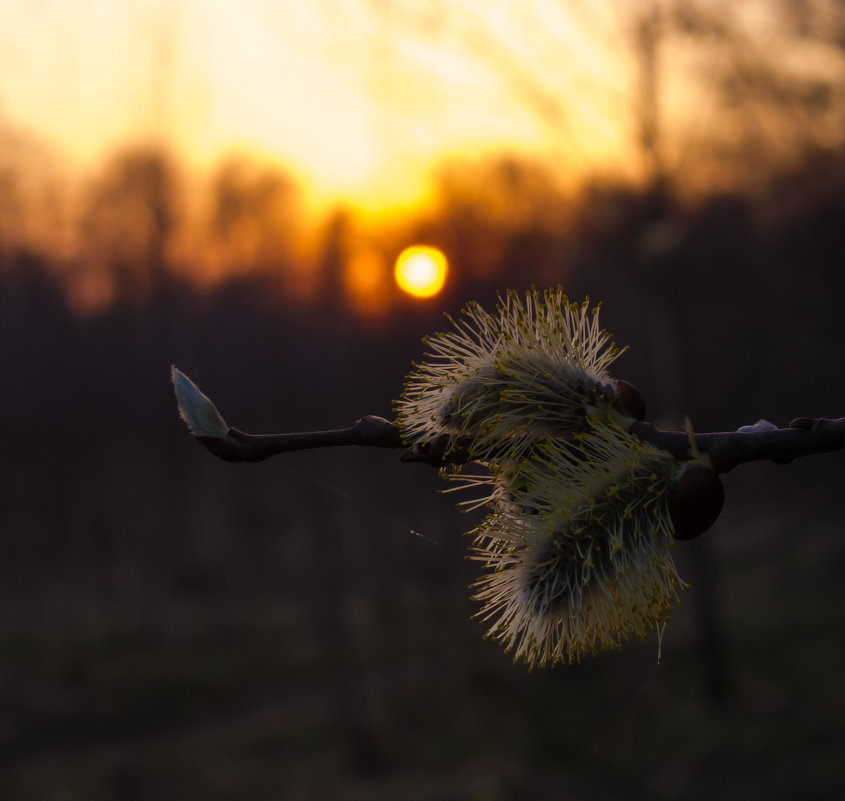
column 744, row 289
column 150, row 594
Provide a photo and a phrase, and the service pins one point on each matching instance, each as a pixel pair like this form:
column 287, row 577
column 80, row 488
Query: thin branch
column 803, row 437
column 232, row 445
column 238, row 446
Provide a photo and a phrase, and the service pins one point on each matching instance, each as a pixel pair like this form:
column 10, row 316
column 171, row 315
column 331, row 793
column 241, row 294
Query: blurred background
column 227, row 186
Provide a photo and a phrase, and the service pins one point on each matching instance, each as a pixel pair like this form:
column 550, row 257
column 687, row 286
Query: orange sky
column 358, row 98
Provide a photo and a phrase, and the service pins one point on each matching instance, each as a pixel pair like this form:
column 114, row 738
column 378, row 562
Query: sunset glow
column 367, row 105
column 421, row 271
column 356, row 104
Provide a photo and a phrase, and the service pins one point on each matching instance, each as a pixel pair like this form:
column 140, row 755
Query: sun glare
column 421, row 271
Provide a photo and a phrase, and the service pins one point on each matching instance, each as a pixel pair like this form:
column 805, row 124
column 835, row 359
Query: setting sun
column 421, row 271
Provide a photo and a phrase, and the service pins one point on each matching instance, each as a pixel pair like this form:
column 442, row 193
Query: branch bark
column 238, row 446
column 804, row 436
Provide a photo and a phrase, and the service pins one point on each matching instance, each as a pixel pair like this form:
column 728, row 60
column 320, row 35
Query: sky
column 357, row 98
column 360, row 99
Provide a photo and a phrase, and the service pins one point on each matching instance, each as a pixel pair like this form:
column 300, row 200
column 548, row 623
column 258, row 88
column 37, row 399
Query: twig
column 803, row 437
column 232, row 445
column 238, row 446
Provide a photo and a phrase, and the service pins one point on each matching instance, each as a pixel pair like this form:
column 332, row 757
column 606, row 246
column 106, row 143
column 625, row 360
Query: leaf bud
column 697, row 501
column 627, row 399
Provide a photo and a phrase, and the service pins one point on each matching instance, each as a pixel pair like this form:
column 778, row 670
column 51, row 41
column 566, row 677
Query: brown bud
column 807, row 423
column 696, row 501
column 627, row 399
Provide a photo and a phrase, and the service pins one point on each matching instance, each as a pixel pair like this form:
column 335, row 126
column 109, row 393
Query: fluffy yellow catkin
column 577, row 560
column 499, row 382
column 576, row 544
